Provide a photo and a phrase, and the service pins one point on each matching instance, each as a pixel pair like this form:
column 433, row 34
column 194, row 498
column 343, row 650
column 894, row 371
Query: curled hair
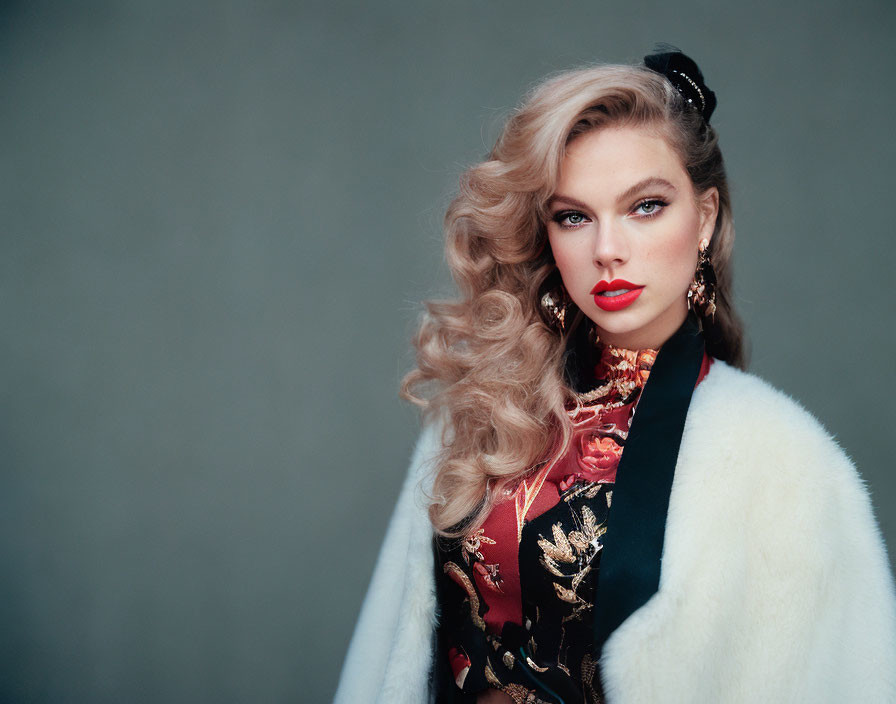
column 492, row 366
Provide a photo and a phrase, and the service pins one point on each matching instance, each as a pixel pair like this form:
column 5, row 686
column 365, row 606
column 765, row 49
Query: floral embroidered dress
column 517, row 595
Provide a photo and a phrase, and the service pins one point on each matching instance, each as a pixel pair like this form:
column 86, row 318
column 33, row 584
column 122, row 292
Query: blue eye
column 651, row 207
column 569, row 218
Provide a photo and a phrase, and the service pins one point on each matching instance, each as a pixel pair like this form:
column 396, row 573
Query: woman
column 604, row 506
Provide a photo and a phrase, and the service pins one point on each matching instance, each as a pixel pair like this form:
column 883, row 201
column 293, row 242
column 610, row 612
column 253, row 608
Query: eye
column 651, row 207
column 569, row 218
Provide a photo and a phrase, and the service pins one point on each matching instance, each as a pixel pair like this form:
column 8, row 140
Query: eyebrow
column 651, row 182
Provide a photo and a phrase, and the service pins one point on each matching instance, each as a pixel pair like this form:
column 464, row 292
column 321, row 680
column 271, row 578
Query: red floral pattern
column 569, row 549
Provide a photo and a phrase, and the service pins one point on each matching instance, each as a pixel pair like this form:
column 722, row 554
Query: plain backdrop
column 219, row 220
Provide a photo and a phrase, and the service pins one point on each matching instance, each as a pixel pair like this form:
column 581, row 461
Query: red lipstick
column 617, row 302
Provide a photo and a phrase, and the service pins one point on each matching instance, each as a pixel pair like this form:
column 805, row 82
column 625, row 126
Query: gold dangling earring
column 555, row 304
column 702, row 291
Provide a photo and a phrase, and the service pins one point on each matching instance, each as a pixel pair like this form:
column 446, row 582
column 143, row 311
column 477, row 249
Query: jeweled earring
column 702, row 291
column 555, row 304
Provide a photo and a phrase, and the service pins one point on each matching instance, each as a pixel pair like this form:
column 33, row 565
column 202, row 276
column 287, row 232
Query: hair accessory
column 702, row 291
column 683, row 73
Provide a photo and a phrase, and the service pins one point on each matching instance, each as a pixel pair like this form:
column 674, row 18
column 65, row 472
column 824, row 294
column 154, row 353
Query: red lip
column 613, row 285
column 619, row 302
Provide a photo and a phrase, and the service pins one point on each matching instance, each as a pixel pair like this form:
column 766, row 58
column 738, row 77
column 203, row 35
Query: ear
column 708, row 205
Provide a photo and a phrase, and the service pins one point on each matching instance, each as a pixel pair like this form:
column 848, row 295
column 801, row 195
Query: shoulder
column 753, row 441
column 751, row 413
column 424, row 464
column 430, row 442
column 741, row 391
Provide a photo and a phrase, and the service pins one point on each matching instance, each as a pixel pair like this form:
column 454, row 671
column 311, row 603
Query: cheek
column 676, row 255
column 567, row 265
column 569, row 258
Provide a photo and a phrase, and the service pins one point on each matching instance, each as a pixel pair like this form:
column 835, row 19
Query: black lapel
column 629, row 572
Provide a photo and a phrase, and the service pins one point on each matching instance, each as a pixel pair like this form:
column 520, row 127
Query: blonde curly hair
column 488, row 362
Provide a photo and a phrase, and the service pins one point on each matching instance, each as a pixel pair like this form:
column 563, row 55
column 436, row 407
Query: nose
column 610, row 247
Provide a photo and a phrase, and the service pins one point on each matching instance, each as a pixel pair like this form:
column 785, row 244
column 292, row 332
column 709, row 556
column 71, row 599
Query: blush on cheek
column 569, row 264
column 673, row 261
column 677, row 252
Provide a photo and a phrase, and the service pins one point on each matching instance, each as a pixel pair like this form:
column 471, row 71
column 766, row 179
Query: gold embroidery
column 585, row 541
column 551, row 566
column 490, row 572
column 585, row 538
column 525, row 497
column 572, row 544
column 587, row 491
column 560, row 549
column 579, row 576
column 535, row 667
column 626, row 371
column 589, row 670
column 518, row 693
column 458, row 573
column 473, row 542
column 491, row 677
column 568, row 595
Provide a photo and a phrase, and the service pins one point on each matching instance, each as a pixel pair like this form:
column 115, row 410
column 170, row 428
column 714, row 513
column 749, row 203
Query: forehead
column 612, row 158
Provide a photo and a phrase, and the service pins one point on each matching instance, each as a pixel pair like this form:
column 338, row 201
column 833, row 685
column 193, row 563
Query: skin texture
column 597, row 233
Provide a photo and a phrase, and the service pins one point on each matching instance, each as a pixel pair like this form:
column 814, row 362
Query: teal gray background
column 219, row 220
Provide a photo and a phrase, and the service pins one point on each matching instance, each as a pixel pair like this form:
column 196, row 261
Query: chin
column 633, row 331
column 618, row 323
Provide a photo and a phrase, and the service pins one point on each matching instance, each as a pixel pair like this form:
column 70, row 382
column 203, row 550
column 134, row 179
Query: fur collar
column 775, row 583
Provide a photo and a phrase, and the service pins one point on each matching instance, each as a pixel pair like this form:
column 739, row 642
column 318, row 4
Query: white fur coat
column 775, row 583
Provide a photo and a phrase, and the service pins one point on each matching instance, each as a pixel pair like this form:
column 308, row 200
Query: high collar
column 600, row 371
column 621, row 373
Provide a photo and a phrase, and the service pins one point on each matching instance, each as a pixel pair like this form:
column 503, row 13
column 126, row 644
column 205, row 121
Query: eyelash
column 560, row 216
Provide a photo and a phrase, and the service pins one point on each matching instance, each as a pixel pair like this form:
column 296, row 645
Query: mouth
column 616, row 294
column 616, row 286
column 613, row 294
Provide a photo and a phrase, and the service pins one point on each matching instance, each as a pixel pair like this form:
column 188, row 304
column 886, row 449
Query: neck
column 652, row 338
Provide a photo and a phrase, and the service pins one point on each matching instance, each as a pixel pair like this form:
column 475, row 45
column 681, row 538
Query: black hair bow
column 683, row 72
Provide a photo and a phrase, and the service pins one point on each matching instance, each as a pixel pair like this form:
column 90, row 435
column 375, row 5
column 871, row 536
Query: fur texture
column 775, row 582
